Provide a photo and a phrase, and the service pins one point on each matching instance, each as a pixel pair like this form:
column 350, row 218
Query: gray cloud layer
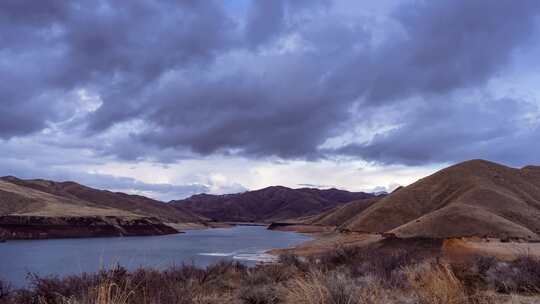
column 188, row 77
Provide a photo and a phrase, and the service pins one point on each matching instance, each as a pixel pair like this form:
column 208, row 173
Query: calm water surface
column 200, row 247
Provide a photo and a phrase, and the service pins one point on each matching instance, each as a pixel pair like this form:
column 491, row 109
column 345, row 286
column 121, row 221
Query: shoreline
column 33, row 227
column 317, row 233
column 37, row 227
column 323, row 238
column 456, row 249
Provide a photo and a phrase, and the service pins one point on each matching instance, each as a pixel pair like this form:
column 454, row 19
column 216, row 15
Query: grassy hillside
column 342, row 214
column 476, row 197
column 19, row 200
column 49, row 198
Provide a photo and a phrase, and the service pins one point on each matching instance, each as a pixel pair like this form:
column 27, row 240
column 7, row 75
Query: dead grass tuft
column 336, row 288
column 435, row 283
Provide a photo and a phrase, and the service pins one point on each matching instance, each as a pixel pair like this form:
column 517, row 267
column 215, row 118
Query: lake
column 246, row 244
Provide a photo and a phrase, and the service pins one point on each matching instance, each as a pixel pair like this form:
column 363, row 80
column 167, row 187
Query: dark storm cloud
column 457, row 131
column 260, row 115
column 116, row 49
column 279, row 83
column 450, row 44
column 265, row 20
column 301, row 100
column 268, row 19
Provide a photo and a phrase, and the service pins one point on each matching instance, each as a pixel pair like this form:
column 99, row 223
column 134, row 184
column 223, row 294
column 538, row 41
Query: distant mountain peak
column 269, row 203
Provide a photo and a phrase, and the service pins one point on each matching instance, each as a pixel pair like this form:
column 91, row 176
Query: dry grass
column 111, row 293
column 28, row 201
column 476, row 197
column 105, row 293
column 311, row 289
column 336, row 288
column 435, row 283
column 344, row 276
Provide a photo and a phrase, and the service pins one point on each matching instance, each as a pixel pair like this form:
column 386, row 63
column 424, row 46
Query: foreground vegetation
column 345, row 276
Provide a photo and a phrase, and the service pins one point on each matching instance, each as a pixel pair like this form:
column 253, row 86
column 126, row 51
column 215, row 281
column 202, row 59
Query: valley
column 449, row 225
column 39, row 209
column 472, row 199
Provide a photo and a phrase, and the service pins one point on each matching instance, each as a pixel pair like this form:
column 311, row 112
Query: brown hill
column 341, row 215
column 49, row 198
column 18, row 200
column 474, row 198
column 275, row 203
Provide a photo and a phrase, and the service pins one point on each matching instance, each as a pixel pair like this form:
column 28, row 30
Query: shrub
column 335, row 288
column 310, row 289
column 520, row 275
column 342, row 255
column 473, row 273
column 341, row 288
column 109, row 292
column 386, row 266
column 5, row 290
column 291, row 260
column 261, row 294
column 529, row 273
column 53, row 289
column 266, row 274
column 345, row 276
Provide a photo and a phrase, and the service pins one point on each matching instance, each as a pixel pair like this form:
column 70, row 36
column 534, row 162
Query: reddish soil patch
column 462, row 249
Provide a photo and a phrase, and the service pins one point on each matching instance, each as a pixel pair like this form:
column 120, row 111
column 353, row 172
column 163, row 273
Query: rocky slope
column 275, row 203
column 474, row 198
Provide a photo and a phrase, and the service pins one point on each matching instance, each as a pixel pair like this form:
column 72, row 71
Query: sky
column 172, row 98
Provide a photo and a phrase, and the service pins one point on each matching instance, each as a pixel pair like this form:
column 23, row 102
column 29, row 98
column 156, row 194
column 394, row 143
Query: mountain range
column 473, row 198
column 38, row 208
column 276, row 203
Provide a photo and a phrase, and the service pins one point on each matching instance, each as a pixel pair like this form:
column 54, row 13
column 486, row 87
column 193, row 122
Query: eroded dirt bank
column 40, row 227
